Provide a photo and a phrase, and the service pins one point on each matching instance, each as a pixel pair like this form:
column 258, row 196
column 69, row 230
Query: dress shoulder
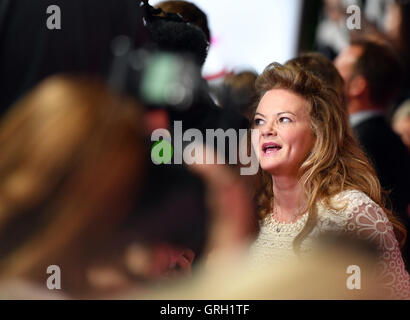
column 338, row 213
column 359, row 215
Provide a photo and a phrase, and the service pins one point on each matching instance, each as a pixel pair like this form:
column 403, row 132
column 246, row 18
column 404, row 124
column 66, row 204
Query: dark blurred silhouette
column 189, row 12
column 30, row 51
column 179, row 37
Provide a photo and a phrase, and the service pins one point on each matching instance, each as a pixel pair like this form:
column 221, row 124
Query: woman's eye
column 257, row 122
column 285, row 120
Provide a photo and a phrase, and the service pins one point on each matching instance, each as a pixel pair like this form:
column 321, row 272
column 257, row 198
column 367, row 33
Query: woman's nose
column 268, row 130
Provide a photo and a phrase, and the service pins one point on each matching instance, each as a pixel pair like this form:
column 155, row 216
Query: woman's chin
column 271, row 169
column 279, row 170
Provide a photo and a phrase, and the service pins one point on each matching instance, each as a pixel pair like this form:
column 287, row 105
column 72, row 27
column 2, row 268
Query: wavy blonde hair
column 336, row 162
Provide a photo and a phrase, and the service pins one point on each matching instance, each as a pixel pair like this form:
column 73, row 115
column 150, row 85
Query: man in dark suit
column 372, row 77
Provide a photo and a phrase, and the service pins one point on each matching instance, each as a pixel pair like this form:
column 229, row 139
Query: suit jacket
column 390, row 159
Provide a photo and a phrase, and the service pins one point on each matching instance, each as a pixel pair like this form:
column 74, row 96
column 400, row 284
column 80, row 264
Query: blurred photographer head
column 189, row 12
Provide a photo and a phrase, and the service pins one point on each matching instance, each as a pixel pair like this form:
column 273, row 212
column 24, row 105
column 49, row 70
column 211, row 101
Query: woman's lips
column 270, row 148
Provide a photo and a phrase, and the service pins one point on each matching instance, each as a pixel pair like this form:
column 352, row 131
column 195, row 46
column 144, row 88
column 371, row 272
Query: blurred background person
column 237, row 92
column 189, row 13
column 397, row 30
column 332, row 35
column 372, row 77
column 375, row 11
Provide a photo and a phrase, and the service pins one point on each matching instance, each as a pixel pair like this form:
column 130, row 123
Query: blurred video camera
column 156, row 76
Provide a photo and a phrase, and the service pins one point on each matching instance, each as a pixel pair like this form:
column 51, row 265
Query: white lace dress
column 358, row 214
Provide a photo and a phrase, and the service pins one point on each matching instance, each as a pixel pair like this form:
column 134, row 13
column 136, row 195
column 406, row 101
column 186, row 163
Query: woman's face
column 285, row 136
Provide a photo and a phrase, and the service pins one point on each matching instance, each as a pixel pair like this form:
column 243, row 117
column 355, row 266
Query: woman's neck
column 288, row 198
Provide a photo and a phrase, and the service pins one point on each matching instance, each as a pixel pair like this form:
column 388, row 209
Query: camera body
column 166, row 73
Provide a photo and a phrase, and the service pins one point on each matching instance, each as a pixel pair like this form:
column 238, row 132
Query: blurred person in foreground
column 231, row 228
column 372, row 77
column 70, row 170
column 315, row 179
column 323, row 274
column 74, row 185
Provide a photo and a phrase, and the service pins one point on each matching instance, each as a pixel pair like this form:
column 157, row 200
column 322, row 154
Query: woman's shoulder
column 352, row 194
column 351, row 199
column 348, row 204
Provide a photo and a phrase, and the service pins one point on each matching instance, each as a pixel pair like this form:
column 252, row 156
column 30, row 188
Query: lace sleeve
column 368, row 221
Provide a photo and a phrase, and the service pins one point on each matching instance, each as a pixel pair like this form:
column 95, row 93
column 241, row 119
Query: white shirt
column 361, row 116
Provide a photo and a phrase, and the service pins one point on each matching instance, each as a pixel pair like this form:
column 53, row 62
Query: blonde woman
column 315, row 179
